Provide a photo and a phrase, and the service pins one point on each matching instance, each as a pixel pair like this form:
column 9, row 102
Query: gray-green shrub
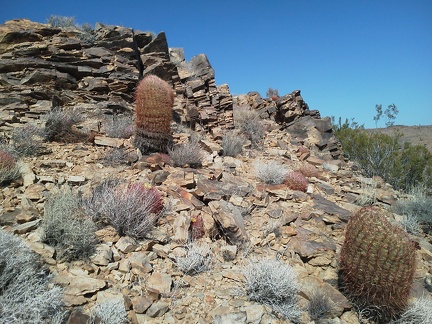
column 26, row 295
column 273, row 283
column 188, row 153
column 232, row 143
column 249, row 123
column 197, row 259
column 67, row 227
column 270, row 172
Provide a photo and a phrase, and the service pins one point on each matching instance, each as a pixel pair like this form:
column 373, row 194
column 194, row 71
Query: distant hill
column 417, row 135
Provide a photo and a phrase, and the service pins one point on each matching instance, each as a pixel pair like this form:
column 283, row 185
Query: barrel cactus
column 377, row 264
column 154, row 100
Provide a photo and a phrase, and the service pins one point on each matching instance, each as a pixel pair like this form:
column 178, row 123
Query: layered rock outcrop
column 97, row 71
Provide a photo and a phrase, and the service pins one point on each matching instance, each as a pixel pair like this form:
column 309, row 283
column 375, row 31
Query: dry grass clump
column 27, row 140
column 26, row 295
column 119, row 126
column 232, row 143
column 249, row 123
column 67, row 227
column 319, row 306
column 59, row 126
column 270, row 172
column 132, row 208
column 186, row 154
column 117, row 156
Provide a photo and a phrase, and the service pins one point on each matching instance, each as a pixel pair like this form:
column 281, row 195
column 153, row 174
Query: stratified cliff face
column 42, row 67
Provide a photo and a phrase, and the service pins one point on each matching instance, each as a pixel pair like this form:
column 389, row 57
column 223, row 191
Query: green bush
column 380, row 154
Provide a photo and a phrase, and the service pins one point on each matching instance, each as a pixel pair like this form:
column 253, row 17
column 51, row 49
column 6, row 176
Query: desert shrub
column 296, row 181
column 132, row 208
column 419, row 312
column 9, row 169
column 380, row 154
column 319, row 306
column 198, row 258
column 188, row 153
column 59, row 123
column 116, row 156
column 417, row 206
column 88, row 34
column 67, row 227
column 270, row 172
column 27, row 140
column 272, row 283
column 26, row 295
column 410, row 224
column 109, row 312
column 61, row 21
column 119, row 126
column 232, row 143
column 249, row 122
column 368, row 192
column 273, row 94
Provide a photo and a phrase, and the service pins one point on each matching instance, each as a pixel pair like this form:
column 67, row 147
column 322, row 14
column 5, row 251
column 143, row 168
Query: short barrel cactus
column 154, row 100
column 295, row 180
column 377, row 264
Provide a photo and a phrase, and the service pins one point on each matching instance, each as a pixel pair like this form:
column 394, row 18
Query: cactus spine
column 154, row 100
column 377, row 264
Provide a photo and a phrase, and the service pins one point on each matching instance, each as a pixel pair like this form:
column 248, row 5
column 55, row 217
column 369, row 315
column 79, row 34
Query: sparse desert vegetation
column 242, row 218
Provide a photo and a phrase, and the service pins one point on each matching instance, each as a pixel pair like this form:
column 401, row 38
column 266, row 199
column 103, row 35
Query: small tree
column 390, row 113
column 273, row 94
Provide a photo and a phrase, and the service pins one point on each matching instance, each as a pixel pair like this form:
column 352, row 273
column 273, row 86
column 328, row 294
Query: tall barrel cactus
column 377, row 264
column 154, row 100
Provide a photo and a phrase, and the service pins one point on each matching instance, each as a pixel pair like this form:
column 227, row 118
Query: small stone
column 141, row 304
column 159, row 283
column 139, row 261
column 229, row 252
column 102, row 256
column 126, row 244
column 26, row 227
column 76, row 179
column 158, row 309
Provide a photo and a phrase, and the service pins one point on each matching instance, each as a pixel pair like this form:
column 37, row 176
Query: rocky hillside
column 42, row 68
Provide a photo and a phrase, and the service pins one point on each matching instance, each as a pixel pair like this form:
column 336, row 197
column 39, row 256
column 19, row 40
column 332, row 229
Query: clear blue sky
column 345, row 56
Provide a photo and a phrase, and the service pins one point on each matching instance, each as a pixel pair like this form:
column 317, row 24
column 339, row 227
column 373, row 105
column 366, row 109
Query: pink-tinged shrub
column 149, row 195
column 309, row 170
column 296, row 181
column 9, row 169
column 133, row 208
column 7, row 160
